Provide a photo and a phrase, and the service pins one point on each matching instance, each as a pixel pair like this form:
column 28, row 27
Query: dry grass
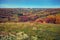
column 45, row 31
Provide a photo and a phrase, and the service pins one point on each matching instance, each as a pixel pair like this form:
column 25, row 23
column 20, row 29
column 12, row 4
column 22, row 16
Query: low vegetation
column 29, row 31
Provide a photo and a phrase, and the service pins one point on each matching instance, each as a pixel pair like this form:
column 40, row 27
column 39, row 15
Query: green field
column 29, row 31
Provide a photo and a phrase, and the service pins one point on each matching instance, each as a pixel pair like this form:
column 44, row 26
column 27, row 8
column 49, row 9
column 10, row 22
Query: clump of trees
column 50, row 19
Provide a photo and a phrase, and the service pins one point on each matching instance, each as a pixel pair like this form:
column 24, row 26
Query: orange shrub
column 40, row 20
column 57, row 19
column 50, row 19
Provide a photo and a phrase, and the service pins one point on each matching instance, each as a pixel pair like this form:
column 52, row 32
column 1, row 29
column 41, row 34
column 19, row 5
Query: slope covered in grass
column 30, row 31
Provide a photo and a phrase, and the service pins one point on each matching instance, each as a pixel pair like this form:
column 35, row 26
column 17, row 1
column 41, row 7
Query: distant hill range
column 14, row 14
column 21, row 10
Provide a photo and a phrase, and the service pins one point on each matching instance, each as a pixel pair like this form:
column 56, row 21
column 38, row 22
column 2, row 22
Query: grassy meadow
column 29, row 31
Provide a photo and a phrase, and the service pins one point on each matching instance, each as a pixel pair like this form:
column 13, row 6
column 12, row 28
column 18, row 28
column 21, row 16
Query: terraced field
column 29, row 31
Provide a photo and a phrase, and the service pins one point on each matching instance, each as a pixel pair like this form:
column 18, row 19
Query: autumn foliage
column 57, row 19
column 50, row 19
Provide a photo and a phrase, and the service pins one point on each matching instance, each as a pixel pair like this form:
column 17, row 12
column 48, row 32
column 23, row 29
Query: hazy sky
column 29, row 3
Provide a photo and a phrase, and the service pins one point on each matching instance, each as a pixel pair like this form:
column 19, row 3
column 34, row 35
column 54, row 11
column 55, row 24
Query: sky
column 29, row 3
